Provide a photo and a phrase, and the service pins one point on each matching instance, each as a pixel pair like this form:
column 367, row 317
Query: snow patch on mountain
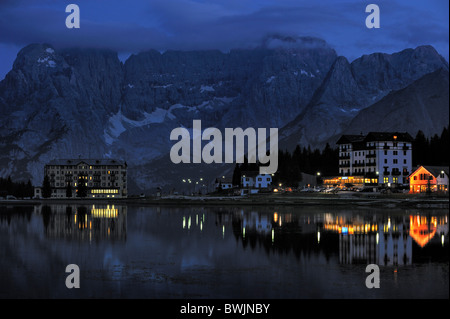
column 206, row 88
column 303, row 72
column 269, row 80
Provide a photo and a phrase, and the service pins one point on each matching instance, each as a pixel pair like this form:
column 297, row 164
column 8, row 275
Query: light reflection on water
column 222, row 252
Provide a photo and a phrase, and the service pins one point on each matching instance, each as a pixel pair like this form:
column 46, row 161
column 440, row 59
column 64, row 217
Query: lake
column 279, row 252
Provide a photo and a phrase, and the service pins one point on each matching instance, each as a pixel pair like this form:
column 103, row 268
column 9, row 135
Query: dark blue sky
column 137, row 25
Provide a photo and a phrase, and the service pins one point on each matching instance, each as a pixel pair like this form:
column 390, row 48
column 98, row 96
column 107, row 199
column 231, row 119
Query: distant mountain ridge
column 351, row 87
column 85, row 102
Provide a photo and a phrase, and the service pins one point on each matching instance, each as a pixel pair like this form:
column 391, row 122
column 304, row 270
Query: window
column 395, row 180
column 385, row 180
column 415, row 177
column 404, row 161
column 385, row 152
column 395, row 152
column 395, row 161
column 404, row 153
column 385, row 161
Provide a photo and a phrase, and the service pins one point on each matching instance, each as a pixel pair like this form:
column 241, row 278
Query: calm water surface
column 222, row 252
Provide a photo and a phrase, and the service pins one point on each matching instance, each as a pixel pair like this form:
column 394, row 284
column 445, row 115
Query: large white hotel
column 104, row 178
column 378, row 158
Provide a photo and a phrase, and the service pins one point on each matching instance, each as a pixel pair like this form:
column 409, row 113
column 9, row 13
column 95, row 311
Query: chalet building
column 253, row 179
column 378, row 158
column 103, row 178
column 429, row 179
column 223, row 183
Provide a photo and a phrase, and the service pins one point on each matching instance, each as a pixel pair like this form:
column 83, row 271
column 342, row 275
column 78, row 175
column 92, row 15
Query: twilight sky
column 137, row 25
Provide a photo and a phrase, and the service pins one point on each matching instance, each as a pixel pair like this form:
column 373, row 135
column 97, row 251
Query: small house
column 429, row 179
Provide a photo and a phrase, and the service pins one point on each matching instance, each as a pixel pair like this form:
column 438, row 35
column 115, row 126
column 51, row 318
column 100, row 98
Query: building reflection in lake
column 84, row 222
column 388, row 242
column 357, row 238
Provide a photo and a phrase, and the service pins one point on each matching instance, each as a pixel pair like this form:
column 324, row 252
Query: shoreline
column 356, row 199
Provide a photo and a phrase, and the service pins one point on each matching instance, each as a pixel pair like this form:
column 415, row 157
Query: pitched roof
column 388, row 136
column 76, row 161
column 349, row 139
column 434, row 170
column 226, row 180
column 249, row 173
column 375, row 136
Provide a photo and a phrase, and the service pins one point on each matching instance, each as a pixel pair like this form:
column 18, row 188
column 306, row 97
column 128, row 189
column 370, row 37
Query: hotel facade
column 103, row 178
column 378, row 158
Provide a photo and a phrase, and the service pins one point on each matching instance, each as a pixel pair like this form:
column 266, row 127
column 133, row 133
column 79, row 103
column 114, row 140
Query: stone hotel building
column 104, row 178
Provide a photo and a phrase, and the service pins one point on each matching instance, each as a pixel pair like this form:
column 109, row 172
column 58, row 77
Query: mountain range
column 73, row 102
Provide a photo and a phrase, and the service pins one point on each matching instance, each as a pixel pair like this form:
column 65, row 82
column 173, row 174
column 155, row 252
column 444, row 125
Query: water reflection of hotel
column 90, row 222
column 387, row 244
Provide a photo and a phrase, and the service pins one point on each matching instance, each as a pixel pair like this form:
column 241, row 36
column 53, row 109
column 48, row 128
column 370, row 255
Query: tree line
column 431, row 151
column 292, row 165
column 17, row 189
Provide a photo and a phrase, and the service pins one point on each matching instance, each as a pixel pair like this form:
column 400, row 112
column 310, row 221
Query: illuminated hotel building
column 104, row 178
column 373, row 159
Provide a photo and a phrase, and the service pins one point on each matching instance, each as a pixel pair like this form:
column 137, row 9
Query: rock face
column 423, row 104
column 351, row 87
column 85, row 102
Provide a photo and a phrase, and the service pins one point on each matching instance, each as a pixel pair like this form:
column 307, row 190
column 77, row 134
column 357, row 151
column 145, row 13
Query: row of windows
column 85, row 172
column 394, row 161
column 87, row 184
column 394, row 180
column 86, row 178
column 83, row 166
column 345, row 147
column 423, row 177
column 372, row 153
column 259, row 179
column 104, row 191
column 361, row 162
